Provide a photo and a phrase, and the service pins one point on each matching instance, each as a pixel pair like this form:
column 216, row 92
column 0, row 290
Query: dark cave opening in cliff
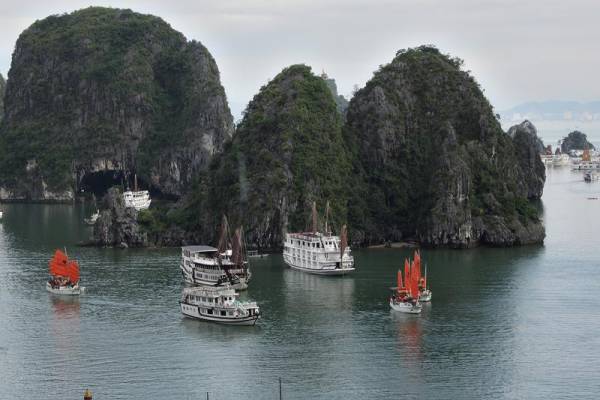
column 97, row 183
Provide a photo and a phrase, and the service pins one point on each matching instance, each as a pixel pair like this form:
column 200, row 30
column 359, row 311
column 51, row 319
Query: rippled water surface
column 521, row 323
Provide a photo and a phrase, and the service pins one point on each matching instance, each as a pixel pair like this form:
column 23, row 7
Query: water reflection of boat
column 65, row 275
column 66, row 307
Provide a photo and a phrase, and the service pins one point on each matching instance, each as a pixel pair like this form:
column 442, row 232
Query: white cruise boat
column 318, row 253
column 138, row 199
column 218, row 304
column 210, row 266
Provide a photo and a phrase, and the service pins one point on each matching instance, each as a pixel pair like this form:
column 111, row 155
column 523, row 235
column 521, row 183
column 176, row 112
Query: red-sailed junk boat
column 65, row 275
column 411, row 290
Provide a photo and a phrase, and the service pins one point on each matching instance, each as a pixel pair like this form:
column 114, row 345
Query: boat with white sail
column 316, row 252
column 218, row 304
column 65, row 275
column 138, row 199
column 225, row 265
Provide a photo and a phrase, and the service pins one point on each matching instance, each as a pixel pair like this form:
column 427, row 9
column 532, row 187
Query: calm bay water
column 504, row 323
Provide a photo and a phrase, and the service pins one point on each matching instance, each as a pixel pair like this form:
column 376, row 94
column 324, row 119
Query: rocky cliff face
column 2, row 91
column 108, row 89
column 575, row 141
column 527, row 146
column 287, row 152
column 436, row 165
column 117, row 225
column 340, row 101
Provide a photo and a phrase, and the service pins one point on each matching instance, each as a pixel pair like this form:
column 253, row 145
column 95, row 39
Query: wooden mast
column 314, row 217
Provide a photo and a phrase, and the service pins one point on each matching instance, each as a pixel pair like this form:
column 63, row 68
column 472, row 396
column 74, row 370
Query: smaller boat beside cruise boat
column 218, row 304
column 320, row 253
column 225, row 265
column 65, row 275
column 93, row 218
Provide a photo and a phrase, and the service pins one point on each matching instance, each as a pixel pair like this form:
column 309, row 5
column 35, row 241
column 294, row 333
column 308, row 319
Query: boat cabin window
column 223, row 313
column 209, row 311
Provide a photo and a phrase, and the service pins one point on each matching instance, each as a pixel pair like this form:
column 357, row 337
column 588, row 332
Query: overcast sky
column 518, row 50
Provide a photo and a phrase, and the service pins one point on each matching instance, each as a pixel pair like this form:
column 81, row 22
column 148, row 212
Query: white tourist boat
column 65, row 275
column 218, row 304
column 320, row 253
column 210, row 266
column 93, row 218
column 138, row 199
column 1, row 214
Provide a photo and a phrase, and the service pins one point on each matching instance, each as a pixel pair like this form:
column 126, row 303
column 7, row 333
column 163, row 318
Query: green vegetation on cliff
column 105, row 84
column 436, row 164
column 286, row 153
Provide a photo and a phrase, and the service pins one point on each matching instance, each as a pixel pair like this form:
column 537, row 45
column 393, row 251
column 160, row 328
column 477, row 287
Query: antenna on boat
column 343, row 244
column 314, row 217
column 327, row 218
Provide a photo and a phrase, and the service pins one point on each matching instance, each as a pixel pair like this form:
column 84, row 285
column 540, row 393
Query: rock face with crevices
column 117, row 225
column 435, row 163
column 108, row 89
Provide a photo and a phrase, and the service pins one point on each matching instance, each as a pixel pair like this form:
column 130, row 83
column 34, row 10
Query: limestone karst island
column 334, row 200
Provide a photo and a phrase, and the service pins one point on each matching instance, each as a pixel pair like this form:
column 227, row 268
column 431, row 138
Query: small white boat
column 409, row 307
column 425, row 296
column 218, row 304
column 1, row 214
column 66, row 290
column 256, row 254
column 65, row 275
column 93, row 218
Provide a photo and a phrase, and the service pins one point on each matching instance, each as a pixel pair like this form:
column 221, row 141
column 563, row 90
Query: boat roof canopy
column 200, row 249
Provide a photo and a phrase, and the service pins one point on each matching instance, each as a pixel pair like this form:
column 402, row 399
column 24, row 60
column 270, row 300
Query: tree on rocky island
column 575, row 140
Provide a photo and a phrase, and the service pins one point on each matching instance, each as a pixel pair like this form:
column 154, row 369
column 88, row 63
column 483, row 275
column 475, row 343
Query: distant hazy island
column 98, row 95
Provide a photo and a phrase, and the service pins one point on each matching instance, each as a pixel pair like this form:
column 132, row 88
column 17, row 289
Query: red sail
column 407, row 274
column 236, row 248
column 399, row 279
column 417, row 264
column 61, row 266
column 414, row 280
column 73, row 271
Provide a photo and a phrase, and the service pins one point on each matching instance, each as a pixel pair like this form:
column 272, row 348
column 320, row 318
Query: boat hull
column 316, row 271
column 65, row 290
column 407, row 308
column 192, row 311
column 425, row 296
